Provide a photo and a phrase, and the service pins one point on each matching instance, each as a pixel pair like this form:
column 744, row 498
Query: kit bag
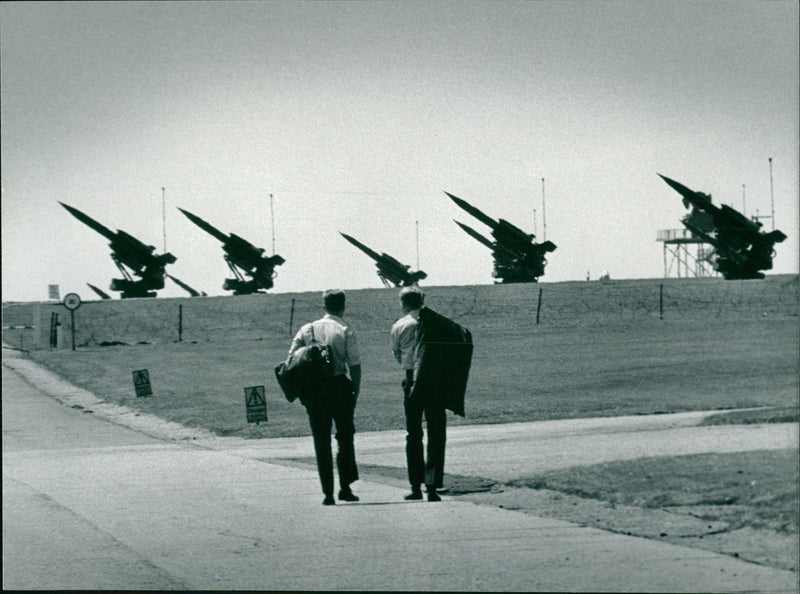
column 306, row 370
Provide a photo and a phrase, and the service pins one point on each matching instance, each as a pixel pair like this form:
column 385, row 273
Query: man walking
column 404, row 345
column 335, row 401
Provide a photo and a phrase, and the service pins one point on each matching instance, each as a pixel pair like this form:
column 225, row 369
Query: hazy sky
column 358, row 116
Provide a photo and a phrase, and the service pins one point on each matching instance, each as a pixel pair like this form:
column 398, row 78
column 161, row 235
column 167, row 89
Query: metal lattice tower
column 687, row 254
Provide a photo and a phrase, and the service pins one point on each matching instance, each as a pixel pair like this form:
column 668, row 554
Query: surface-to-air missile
column 100, row 293
column 517, row 257
column 243, row 258
column 130, row 253
column 741, row 249
column 390, row 271
column 185, row 287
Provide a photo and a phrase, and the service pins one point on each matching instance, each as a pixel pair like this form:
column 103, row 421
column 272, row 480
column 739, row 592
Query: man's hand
column 355, row 376
column 407, row 385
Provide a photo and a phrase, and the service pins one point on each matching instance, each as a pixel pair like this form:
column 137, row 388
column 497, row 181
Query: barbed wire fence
column 279, row 316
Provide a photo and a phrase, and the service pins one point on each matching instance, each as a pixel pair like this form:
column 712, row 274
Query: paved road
column 91, row 504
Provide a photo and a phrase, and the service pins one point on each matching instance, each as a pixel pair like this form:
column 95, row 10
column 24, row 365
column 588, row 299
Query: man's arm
column 404, row 344
column 394, row 343
column 297, row 341
column 355, row 375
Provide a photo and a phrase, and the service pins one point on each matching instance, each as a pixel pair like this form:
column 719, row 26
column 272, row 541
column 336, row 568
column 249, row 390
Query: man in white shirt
column 335, row 402
column 403, row 337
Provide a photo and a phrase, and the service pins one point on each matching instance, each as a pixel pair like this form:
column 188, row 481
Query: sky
column 289, row 122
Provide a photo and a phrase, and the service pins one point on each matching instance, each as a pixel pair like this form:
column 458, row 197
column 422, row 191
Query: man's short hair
column 333, row 300
column 411, row 297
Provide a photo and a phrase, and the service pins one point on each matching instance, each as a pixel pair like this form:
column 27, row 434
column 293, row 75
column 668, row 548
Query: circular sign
column 72, row 301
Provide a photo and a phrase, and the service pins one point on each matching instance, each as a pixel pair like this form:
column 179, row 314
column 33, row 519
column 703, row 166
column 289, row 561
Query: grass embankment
column 520, row 373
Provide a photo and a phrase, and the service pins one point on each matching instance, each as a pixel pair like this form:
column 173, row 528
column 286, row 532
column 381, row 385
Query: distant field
column 599, row 349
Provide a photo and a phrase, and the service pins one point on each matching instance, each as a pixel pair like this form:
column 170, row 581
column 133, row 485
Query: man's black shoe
column 432, row 495
column 347, row 495
column 415, row 495
column 329, row 500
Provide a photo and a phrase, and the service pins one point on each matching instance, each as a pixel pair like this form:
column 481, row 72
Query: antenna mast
column 272, row 219
column 417, row 225
column 544, row 218
column 744, row 202
column 771, row 195
column 164, row 219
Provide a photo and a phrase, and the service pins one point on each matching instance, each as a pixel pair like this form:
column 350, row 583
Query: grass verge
column 756, row 489
column 742, row 504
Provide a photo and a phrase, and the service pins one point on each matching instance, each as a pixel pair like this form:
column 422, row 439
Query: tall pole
column 744, row 202
column 417, row 225
column 272, row 219
column 771, row 195
column 544, row 216
column 164, row 218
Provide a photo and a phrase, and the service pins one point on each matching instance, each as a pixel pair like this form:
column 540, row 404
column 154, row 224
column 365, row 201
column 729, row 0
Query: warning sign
column 256, row 404
column 141, row 383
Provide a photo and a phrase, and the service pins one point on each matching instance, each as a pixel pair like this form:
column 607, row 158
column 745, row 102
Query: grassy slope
column 583, row 363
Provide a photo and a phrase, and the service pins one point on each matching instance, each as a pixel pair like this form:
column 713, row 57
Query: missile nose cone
column 666, row 179
column 456, row 199
column 678, row 187
column 187, row 213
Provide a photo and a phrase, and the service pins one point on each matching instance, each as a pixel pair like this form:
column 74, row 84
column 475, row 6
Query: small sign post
column 72, row 301
column 256, row 404
column 141, row 383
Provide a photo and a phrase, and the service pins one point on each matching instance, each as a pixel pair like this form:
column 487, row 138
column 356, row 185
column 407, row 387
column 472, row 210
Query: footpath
column 99, row 497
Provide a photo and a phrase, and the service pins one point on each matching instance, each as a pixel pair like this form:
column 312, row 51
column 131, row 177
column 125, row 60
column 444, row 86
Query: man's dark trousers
column 334, row 405
column 430, row 472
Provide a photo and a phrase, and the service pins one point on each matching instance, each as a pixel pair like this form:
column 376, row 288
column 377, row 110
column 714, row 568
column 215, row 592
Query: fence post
column 661, row 302
column 291, row 319
column 54, row 329
column 180, row 323
column 539, row 305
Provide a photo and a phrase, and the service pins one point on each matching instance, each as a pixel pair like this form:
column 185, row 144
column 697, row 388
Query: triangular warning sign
column 255, row 398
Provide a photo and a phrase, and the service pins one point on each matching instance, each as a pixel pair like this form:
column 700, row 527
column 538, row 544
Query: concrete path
column 90, row 504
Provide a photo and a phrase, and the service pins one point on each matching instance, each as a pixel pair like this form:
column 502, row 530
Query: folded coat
column 444, row 356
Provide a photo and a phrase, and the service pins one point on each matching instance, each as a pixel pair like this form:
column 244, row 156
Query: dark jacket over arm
column 444, row 355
